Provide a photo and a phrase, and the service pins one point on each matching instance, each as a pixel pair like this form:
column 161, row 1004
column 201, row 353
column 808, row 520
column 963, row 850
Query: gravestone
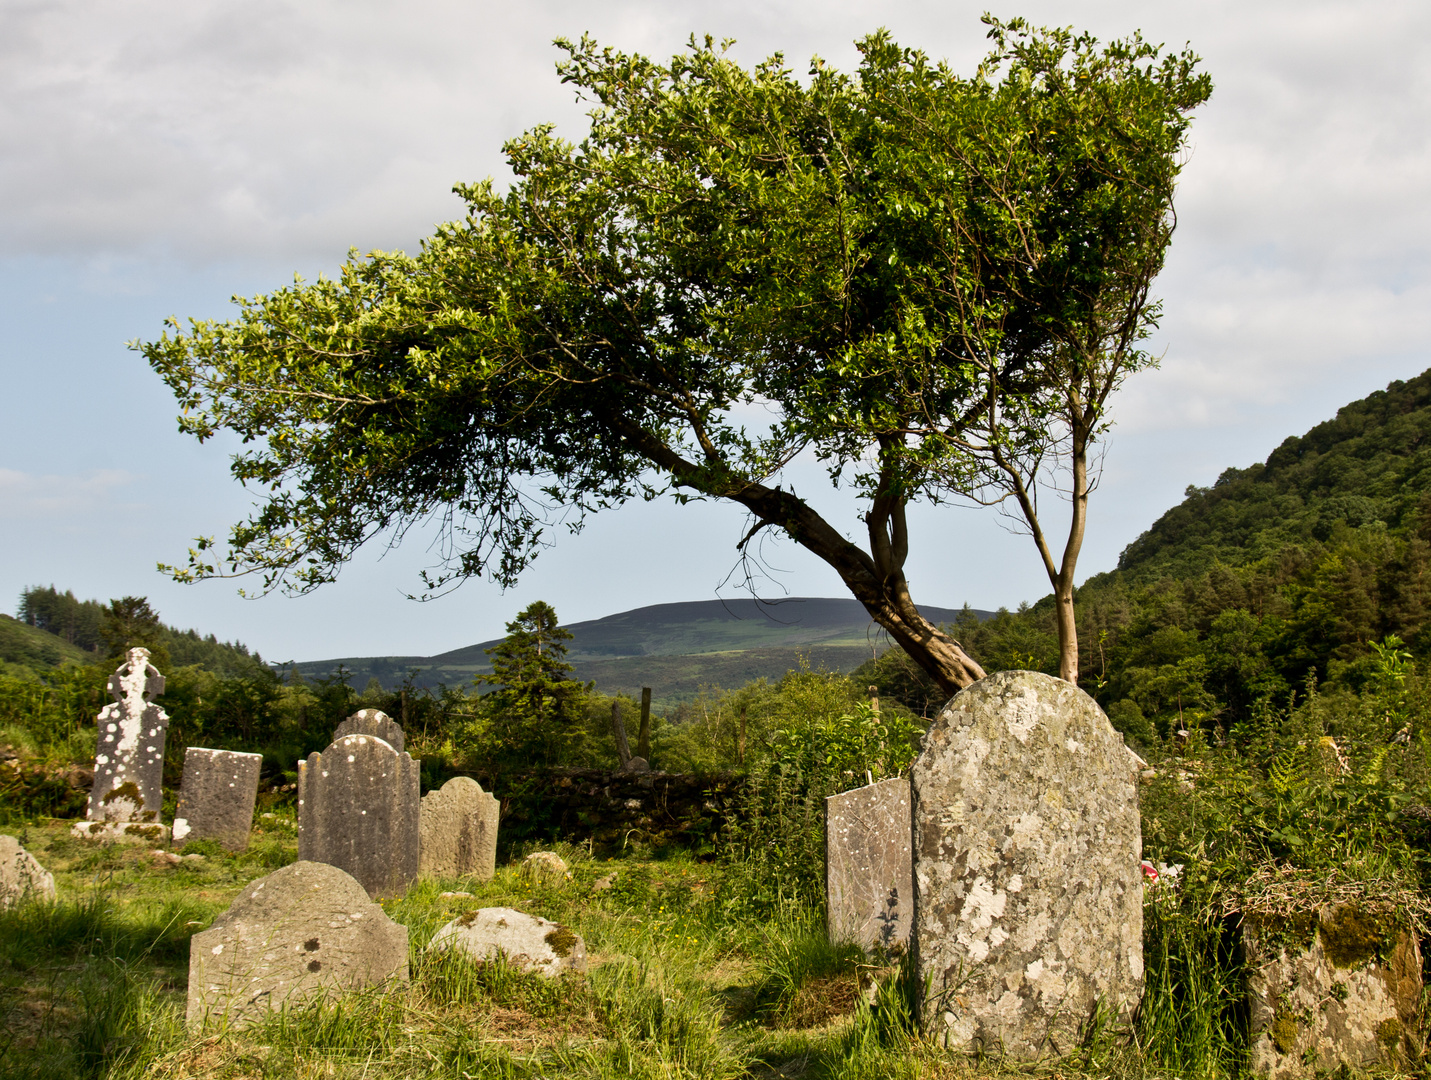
column 529, row 943
column 129, row 758
column 302, row 931
column 216, row 797
column 869, row 887
column 1028, row 896
column 22, row 878
column 459, row 830
column 373, row 722
column 358, row 810
column 1349, row 999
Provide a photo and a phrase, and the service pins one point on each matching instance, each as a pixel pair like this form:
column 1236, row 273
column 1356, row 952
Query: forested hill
column 1370, row 465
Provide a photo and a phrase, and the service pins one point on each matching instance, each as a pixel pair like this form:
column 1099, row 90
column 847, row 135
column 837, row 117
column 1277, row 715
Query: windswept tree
column 535, row 700
column 898, row 272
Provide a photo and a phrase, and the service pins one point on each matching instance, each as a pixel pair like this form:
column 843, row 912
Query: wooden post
column 740, row 739
column 623, row 748
column 643, row 740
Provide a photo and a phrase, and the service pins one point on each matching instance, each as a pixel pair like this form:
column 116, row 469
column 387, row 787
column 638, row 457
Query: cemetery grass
column 94, row 985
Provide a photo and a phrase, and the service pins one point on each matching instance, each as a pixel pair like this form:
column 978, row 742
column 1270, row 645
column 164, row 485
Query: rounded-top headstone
column 1028, row 894
column 372, row 722
column 302, row 930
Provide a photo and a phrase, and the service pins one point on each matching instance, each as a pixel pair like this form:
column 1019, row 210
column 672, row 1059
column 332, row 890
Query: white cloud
column 35, row 498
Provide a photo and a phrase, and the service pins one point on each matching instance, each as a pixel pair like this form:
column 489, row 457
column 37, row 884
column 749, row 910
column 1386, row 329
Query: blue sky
column 157, row 158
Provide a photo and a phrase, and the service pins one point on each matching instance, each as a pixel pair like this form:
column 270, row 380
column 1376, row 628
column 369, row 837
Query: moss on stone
column 561, row 940
column 1388, row 1033
column 1351, row 938
column 127, row 790
column 1284, row 1032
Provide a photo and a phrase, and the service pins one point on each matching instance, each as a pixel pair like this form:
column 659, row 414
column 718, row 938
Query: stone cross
column 1028, row 897
column 217, row 796
column 459, row 830
column 373, row 722
column 129, row 759
column 869, row 889
column 358, row 810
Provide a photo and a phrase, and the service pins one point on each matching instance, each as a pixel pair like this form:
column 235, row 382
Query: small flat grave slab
column 869, row 877
column 528, row 942
column 303, row 931
column 22, row 878
column 216, row 797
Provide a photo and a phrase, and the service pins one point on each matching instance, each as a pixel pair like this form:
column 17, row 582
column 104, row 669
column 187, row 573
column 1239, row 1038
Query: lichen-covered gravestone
column 529, row 943
column 1348, row 998
column 22, row 878
column 358, row 809
column 216, row 797
column 459, row 830
column 1028, row 894
column 127, row 794
column 869, row 889
column 373, row 722
column 301, row 931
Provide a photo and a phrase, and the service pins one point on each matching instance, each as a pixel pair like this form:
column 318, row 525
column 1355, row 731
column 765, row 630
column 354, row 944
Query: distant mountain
column 673, row 648
column 1369, row 466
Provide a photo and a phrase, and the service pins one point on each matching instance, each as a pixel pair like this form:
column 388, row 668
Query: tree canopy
column 931, row 283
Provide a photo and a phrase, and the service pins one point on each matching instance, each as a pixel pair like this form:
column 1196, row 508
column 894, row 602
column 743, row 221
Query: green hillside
column 673, row 648
column 32, row 648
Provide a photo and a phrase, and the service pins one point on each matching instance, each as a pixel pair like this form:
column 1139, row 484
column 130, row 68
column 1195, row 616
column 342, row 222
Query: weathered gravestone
column 358, row 810
column 869, row 887
column 373, row 722
column 528, row 942
column 1028, row 899
column 299, row 932
column 216, row 797
column 22, row 878
column 129, row 758
column 1348, row 999
column 459, row 830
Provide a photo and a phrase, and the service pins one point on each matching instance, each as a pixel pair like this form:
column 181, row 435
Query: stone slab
column 459, row 830
column 1318, row 1010
column 22, row 878
column 529, row 943
column 129, row 755
column 373, row 722
column 359, row 810
column 303, row 931
column 869, row 875
column 216, row 797
column 1028, row 896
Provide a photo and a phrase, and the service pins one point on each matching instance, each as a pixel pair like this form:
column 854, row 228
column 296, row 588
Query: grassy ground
column 95, row 985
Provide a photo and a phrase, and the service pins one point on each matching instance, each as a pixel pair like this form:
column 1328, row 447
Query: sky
column 157, row 159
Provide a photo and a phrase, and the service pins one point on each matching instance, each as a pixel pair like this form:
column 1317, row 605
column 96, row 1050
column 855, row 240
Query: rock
column 129, row 757
column 545, row 867
column 636, row 765
column 459, row 830
column 1028, row 892
column 529, row 943
column 602, row 884
column 358, row 810
column 217, row 796
column 454, row 896
column 22, row 878
column 302, row 931
column 121, row 832
column 373, row 722
column 869, row 887
column 1333, row 1005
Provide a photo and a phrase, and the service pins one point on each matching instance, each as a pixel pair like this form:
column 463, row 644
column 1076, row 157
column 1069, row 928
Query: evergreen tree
column 537, row 701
